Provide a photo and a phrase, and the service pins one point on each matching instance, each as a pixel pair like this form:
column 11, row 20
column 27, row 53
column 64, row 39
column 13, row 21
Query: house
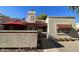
column 17, row 33
column 55, row 27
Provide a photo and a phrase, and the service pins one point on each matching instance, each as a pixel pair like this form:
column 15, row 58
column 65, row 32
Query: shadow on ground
column 48, row 43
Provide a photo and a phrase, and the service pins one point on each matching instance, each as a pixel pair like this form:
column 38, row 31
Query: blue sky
column 21, row 11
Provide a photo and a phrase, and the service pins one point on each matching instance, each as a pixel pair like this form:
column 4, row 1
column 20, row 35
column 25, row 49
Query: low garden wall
column 18, row 39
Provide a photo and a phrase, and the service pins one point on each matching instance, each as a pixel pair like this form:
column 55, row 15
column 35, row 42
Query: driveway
column 67, row 46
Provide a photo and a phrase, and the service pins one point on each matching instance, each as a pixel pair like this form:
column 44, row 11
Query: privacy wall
column 18, row 39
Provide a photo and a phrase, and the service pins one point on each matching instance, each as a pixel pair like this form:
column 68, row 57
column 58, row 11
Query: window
column 62, row 30
column 32, row 18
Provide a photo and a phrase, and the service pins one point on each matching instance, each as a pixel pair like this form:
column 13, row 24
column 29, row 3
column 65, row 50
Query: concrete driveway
column 67, row 46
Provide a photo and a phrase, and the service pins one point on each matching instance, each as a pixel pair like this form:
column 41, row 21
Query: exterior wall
column 31, row 16
column 18, row 39
column 52, row 27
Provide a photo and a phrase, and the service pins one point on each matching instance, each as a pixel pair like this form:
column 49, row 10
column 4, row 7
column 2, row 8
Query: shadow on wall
column 49, row 43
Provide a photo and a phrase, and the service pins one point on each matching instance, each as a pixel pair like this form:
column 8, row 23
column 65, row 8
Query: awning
column 13, row 23
column 64, row 26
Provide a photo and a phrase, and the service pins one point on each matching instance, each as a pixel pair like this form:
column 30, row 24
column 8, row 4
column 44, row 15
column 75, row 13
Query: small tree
column 42, row 17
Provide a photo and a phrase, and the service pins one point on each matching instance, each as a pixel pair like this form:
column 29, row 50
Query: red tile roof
column 37, row 23
column 16, row 21
column 13, row 23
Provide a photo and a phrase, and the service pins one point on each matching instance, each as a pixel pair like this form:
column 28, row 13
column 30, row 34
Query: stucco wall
column 18, row 39
column 52, row 27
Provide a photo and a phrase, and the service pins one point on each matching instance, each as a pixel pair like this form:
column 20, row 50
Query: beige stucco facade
column 52, row 27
